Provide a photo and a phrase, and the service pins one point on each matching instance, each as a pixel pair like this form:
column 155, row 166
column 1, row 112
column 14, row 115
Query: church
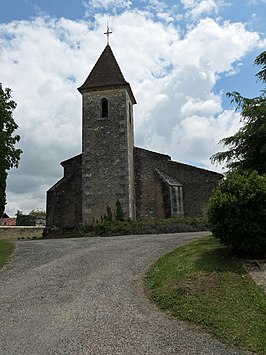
column 147, row 184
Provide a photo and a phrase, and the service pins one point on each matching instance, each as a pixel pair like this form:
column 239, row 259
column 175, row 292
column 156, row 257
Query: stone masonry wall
column 131, row 175
column 22, row 232
column 198, row 185
column 149, row 194
column 150, row 202
column 64, row 199
column 105, row 146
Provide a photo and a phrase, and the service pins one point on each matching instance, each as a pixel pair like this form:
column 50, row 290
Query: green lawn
column 201, row 283
column 6, row 249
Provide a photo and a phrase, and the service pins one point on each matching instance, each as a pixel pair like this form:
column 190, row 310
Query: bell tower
column 107, row 141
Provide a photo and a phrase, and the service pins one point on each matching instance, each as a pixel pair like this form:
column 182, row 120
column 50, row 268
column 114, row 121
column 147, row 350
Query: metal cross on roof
column 107, row 33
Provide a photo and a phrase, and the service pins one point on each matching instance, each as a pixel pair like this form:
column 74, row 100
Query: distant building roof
column 9, row 221
column 106, row 73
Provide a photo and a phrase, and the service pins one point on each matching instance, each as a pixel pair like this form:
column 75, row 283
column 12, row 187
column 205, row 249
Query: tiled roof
column 106, row 73
column 9, row 221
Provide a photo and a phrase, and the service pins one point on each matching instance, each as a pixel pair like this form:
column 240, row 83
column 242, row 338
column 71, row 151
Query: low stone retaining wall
column 22, row 232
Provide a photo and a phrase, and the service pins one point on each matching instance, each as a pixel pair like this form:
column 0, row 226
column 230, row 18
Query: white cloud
column 196, row 106
column 200, row 134
column 105, row 5
column 197, row 8
column 214, row 47
column 256, row 2
column 163, row 10
column 44, row 60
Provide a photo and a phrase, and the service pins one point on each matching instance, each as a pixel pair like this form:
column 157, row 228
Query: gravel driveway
column 85, row 296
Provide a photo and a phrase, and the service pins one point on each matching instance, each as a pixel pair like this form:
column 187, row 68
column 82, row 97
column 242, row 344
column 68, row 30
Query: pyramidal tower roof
column 105, row 74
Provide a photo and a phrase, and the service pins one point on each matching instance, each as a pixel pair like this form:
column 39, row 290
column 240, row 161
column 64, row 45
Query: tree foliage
column 261, row 60
column 34, row 218
column 237, row 213
column 9, row 155
column 247, row 148
column 24, row 219
column 237, row 208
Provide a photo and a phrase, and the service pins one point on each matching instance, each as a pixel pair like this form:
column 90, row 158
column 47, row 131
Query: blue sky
column 180, row 58
column 24, row 9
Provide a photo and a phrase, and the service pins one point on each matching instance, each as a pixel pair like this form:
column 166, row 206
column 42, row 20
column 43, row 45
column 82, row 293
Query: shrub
column 35, row 217
column 24, row 219
column 109, row 215
column 237, row 213
column 105, row 228
column 119, row 214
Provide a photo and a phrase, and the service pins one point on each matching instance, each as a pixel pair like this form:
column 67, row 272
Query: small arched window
column 104, row 108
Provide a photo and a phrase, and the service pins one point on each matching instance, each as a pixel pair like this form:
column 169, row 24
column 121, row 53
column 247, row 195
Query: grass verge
column 203, row 284
column 6, row 249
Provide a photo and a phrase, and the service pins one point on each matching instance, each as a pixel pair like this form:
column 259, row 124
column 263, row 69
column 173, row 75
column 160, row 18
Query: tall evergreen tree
column 9, row 155
column 247, row 148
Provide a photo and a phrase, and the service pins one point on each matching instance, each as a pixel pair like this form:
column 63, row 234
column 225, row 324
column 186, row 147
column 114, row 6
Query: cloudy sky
column 180, row 57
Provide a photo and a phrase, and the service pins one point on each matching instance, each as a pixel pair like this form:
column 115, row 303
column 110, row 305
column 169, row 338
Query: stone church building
column 110, row 168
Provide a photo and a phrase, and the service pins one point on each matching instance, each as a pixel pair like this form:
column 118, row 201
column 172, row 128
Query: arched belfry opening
column 104, row 108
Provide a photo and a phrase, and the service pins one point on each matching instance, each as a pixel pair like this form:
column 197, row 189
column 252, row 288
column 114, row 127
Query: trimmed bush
column 237, row 213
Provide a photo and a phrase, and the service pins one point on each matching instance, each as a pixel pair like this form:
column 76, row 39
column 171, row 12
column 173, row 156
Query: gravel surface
column 86, row 296
column 257, row 270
